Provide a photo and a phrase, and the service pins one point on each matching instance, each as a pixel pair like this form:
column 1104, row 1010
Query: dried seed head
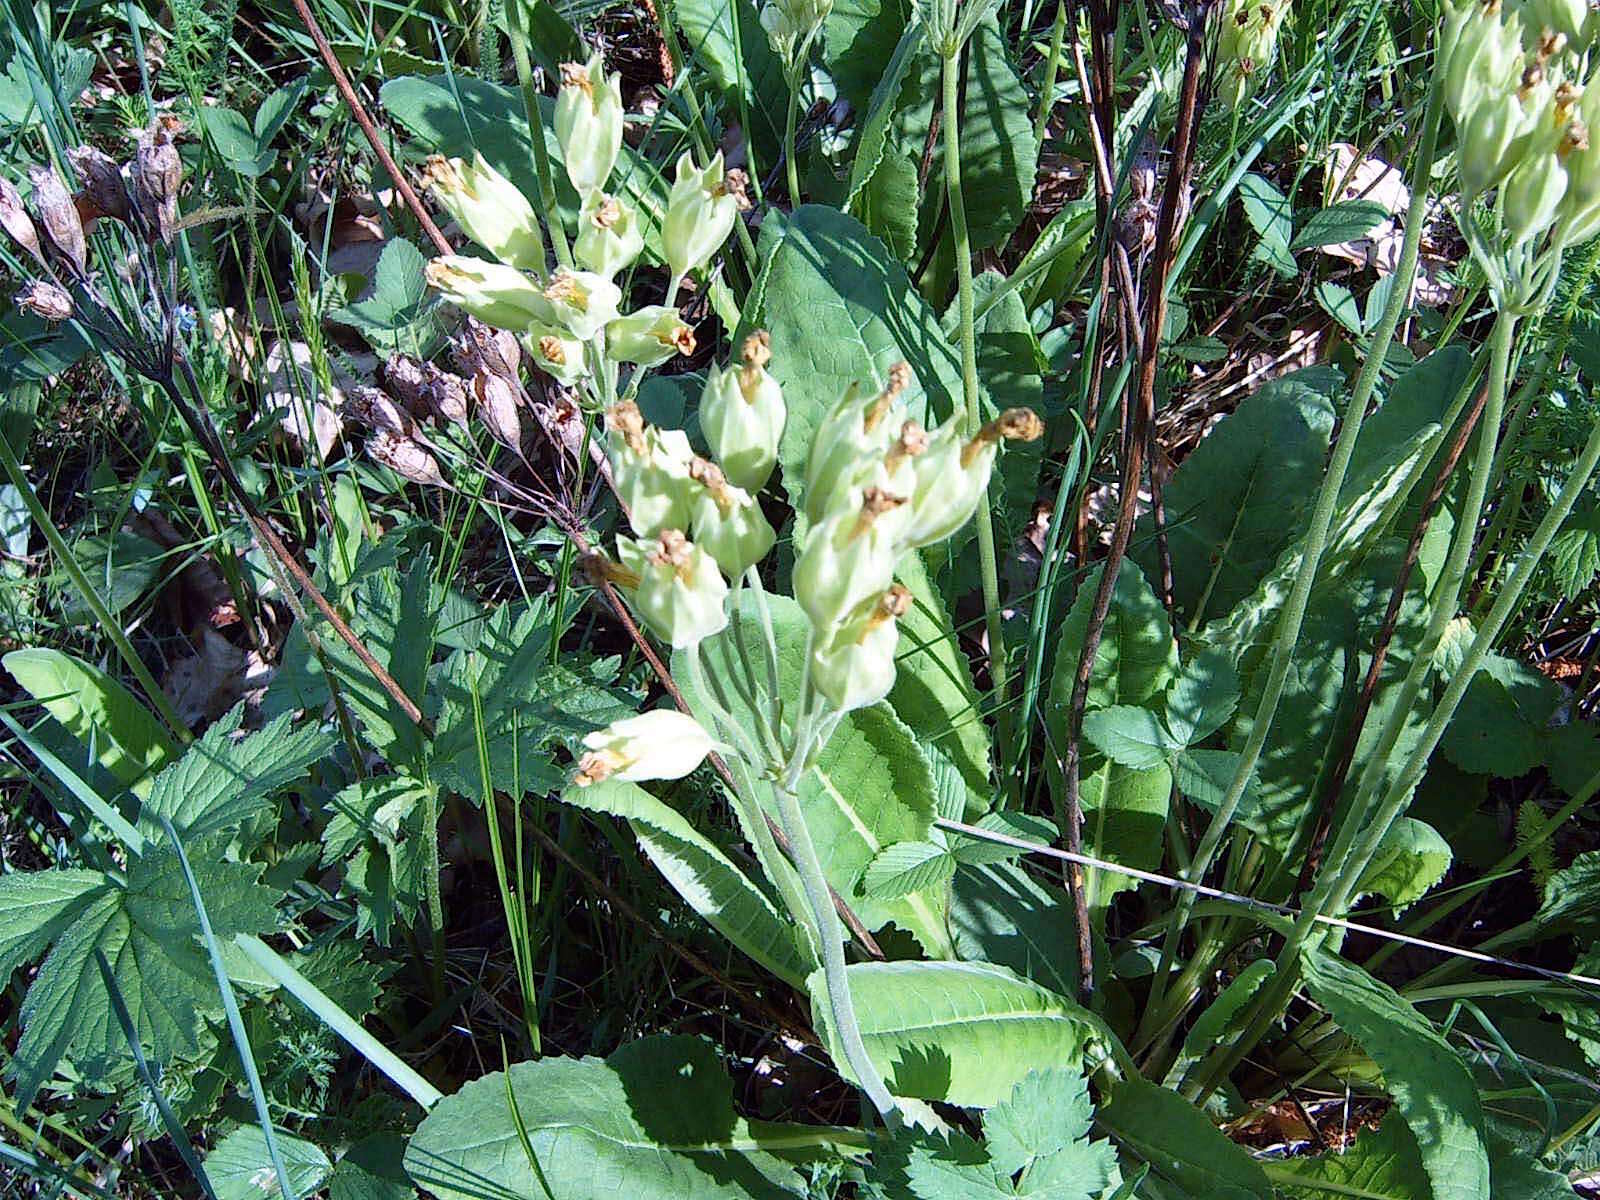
column 607, row 213
column 497, row 405
column 552, row 350
column 378, row 411
column 103, row 186
column 874, row 503
column 45, row 299
column 157, row 176
column 58, row 215
column 565, row 288
column 1576, row 138
column 899, row 380
column 1013, row 425
column 484, row 348
column 1551, row 44
column 14, row 219
column 735, row 183
column 407, row 382
column 405, row 458
column 447, row 396
column 913, row 440
column 894, row 603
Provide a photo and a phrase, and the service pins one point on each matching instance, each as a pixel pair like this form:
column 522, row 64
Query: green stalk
column 969, row 387
column 1289, row 625
column 102, row 615
column 1052, row 68
column 541, row 155
column 830, row 934
column 1338, row 891
column 789, row 108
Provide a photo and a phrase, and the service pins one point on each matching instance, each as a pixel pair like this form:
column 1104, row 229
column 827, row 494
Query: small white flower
column 662, row 744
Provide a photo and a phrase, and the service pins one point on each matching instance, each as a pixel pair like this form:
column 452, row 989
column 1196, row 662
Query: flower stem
column 987, row 566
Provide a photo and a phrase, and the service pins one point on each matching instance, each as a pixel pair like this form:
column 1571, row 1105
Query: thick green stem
column 987, row 566
column 1288, row 632
column 830, row 937
column 789, row 113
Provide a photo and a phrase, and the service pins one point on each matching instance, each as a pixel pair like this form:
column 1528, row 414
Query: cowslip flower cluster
column 571, row 318
column 791, row 25
column 1247, row 42
column 1512, row 79
column 877, row 486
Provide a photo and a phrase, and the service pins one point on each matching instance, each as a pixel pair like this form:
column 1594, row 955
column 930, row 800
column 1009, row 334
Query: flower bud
column 648, row 337
column 700, row 212
column 588, row 123
column 742, row 414
column 103, row 186
column 727, row 521
column 783, row 34
column 850, row 444
column 1531, row 195
column 649, row 470
column 581, row 302
column 489, row 209
column 856, row 666
column 58, row 214
column 558, row 354
column 497, row 406
column 1565, row 17
column 660, row 744
column 157, row 175
column 1491, row 138
column 14, row 219
column 848, row 557
column 46, row 300
column 680, row 594
column 405, row 458
column 609, row 237
column 1581, row 206
column 493, row 292
column 954, row 472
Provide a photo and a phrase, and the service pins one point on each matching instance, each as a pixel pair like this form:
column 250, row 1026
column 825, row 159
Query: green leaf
column 1180, row 1143
column 888, row 204
column 1126, row 818
column 1136, row 657
column 858, row 37
column 710, row 884
column 236, row 142
column 1267, row 209
column 96, row 709
column 1431, row 1086
column 1131, row 736
column 1204, row 695
column 872, row 140
column 37, row 906
column 1411, row 858
column 1238, row 500
column 1498, row 728
column 121, row 566
column 1340, row 304
column 372, row 1170
column 377, row 831
column 841, row 310
column 391, row 318
column 1015, row 824
column 869, row 787
column 1342, row 222
column 1381, row 1164
column 907, row 867
column 999, row 156
column 1575, row 552
column 1572, row 897
column 241, row 1168
column 1222, row 1016
column 654, row 1120
column 222, row 780
column 1205, row 777
column 147, row 931
column 964, row 1033
column 933, row 691
column 1001, row 914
